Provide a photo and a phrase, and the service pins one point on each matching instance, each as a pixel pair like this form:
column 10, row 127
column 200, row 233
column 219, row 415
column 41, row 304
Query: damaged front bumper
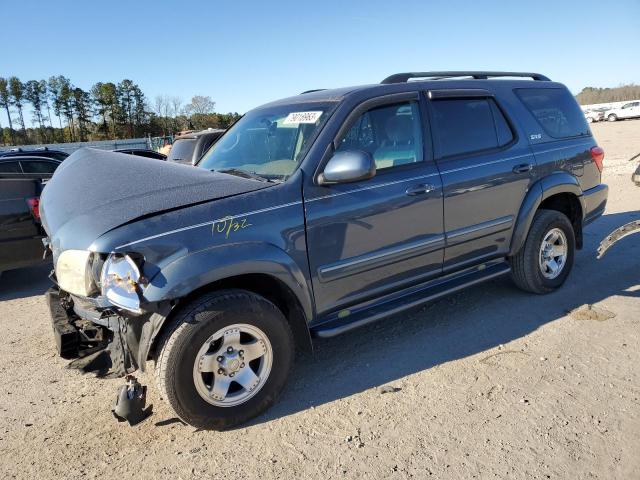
column 99, row 338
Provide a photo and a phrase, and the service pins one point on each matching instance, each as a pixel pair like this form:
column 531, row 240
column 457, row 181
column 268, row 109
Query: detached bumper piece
column 130, row 402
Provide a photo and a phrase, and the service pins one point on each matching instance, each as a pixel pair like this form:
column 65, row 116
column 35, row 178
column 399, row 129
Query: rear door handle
column 420, row 189
column 522, row 168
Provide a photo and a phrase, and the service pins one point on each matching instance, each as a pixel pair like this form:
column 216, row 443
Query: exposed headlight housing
column 120, row 282
column 73, row 272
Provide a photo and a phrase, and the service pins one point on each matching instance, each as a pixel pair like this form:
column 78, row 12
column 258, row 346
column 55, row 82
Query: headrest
column 399, row 128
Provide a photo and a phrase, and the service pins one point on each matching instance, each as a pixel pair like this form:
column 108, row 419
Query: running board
column 416, row 298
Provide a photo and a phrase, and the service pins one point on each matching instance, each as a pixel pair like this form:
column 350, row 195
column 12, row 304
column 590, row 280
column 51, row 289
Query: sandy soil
column 488, row 383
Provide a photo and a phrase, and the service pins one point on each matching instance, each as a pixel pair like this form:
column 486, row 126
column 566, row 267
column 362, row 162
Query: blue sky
column 246, row 53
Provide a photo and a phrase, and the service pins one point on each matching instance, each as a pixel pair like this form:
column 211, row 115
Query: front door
column 379, row 235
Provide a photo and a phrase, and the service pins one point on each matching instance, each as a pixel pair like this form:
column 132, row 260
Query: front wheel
column 545, row 260
column 224, row 359
column 612, row 118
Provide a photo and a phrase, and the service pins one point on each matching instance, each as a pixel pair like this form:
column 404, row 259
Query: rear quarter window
column 555, row 110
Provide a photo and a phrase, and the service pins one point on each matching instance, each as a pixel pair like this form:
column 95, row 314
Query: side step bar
column 412, row 300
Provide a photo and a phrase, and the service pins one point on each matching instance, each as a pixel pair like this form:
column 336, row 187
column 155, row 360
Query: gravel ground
column 491, row 382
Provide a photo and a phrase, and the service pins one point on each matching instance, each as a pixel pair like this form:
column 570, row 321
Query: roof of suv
column 403, row 82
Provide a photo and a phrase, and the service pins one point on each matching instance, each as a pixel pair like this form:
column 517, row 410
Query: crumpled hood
column 94, row 191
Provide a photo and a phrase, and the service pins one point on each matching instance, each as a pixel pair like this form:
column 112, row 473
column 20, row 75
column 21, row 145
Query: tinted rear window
column 469, row 125
column 556, row 111
column 182, row 150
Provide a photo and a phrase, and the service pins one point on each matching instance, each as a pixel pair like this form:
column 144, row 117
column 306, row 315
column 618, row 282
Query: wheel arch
column 559, row 191
column 269, row 287
column 260, row 268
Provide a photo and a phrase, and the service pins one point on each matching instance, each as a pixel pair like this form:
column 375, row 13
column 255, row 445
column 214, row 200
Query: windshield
column 268, row 142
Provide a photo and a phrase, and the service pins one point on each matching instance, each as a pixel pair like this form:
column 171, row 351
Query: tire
column 186, row 348
column 590, row 120
column 612, row 118
column 527, row 268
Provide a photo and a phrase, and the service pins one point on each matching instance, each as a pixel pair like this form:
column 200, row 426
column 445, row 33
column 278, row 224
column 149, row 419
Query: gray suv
column 311, row 216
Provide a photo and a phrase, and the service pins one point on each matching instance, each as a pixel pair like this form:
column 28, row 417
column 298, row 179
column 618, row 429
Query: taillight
column 597, row 154
column 34, row 206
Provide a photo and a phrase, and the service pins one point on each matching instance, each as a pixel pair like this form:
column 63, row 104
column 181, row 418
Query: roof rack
column 405, row 77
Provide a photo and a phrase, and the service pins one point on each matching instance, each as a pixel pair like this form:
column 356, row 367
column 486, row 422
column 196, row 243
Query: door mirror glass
column 348, row 166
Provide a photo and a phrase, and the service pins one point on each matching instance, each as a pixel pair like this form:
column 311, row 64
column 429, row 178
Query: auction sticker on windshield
column 302, row 117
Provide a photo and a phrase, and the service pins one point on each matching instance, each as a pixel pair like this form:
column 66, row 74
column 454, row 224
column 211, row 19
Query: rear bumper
column 595, row 201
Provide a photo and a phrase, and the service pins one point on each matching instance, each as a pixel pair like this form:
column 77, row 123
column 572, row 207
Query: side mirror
column 348, row 166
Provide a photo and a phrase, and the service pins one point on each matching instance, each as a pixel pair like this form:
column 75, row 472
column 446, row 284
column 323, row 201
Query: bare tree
column 200, row 104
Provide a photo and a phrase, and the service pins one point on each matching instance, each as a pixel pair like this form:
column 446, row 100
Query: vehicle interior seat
column 399, row 146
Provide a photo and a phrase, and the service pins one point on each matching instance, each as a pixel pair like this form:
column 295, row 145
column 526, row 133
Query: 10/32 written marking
column 228, row 225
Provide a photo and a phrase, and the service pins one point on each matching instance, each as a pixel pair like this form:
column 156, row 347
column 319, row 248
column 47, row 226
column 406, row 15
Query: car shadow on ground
column 461, row 325
column 25, row 282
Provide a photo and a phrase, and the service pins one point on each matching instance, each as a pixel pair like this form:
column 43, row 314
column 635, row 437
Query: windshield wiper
column 244, row 174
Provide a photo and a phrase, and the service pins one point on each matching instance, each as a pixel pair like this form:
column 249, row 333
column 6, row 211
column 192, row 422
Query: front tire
column 224, row 359
column 545, row 260
column 612, row 118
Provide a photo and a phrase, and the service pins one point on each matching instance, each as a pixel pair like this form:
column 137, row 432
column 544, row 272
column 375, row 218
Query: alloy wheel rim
column 553, row 253
column 233, row 365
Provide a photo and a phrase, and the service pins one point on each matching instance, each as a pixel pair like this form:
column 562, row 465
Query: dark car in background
column 189, row 148
column 22, row 178
column 38, row 152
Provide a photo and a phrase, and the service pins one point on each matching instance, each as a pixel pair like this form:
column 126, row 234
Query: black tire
column 525, row 267
column 612, row 118
column 189, row 330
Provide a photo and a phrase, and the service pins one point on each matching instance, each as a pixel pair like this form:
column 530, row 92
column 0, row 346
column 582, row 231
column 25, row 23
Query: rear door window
column 39, row 166
column 10, row 167
column 555, row 110
column 467, row 125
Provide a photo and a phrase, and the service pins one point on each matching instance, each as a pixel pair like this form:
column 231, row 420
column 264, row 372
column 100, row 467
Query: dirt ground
column 488, row 383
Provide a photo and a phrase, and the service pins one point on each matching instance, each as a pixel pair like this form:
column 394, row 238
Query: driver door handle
column 420, row 189
column 522, row 168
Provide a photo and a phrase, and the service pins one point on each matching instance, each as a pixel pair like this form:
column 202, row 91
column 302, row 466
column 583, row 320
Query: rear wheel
column 544, row 262
column 225, row 359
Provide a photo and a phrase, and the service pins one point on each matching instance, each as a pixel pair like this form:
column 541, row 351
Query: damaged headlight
column 120, row 282
column 73, row 272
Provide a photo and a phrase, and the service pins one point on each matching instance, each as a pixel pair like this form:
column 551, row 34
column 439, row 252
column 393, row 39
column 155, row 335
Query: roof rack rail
column 313, row 90
column 405, row 77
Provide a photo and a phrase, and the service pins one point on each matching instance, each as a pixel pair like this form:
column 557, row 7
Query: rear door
column 376, row 236
column 486, row 169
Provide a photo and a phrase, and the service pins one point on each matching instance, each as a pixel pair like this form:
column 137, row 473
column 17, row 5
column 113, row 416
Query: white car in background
column 628, row 110
column 595, row 115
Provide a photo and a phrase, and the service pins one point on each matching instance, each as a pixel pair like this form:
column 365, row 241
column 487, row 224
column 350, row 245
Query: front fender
column 194, row 270
column 558, row 182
